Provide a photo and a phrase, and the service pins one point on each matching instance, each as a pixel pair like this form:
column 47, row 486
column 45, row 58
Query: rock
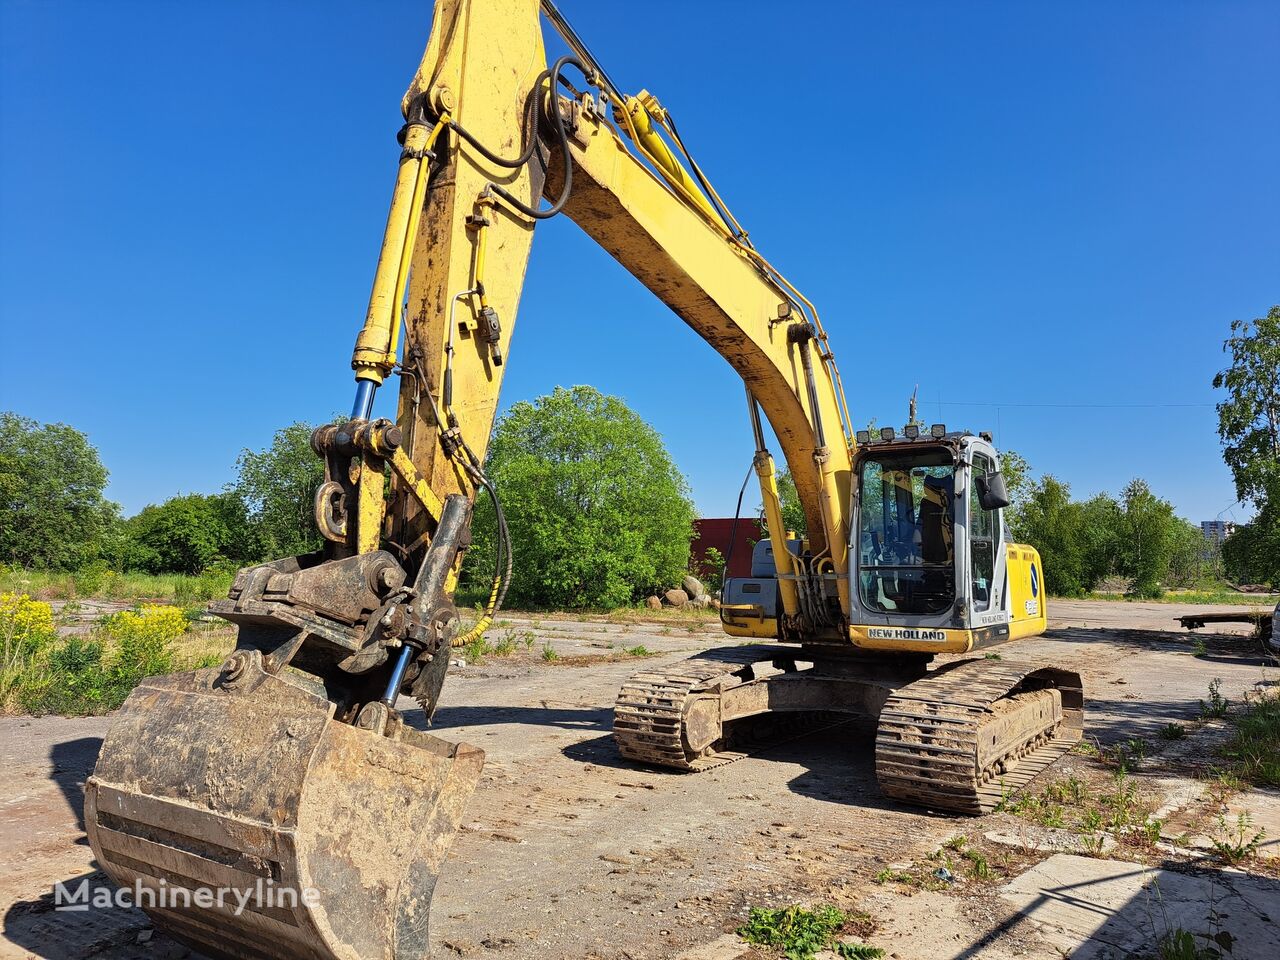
column 700, row 603
column 675, row 598
column 693, row 586
column 715, row 604
column 653, row 603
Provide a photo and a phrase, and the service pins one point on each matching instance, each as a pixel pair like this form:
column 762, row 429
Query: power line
column 1071, row 406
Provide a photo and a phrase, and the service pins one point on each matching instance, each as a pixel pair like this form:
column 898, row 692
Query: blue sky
column 1045, row 214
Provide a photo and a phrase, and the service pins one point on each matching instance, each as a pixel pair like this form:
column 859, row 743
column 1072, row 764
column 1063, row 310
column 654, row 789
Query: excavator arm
column 502, row 130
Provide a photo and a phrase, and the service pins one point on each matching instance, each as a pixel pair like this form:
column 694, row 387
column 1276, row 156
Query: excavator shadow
column 71, row 764
column 48, row 927
column 838, row 761
column 837, row 757
column 567, row 718
column 602, row 751
column 1238, row 648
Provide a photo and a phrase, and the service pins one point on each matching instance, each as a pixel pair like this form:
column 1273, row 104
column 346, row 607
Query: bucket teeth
column 265, row 828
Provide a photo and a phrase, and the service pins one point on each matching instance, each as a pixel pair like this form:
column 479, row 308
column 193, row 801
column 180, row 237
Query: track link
column 648, row 717
column 960, row 739
column 964, row 738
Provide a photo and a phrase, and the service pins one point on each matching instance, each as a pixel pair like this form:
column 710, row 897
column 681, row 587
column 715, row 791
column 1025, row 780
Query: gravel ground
column 568, row 851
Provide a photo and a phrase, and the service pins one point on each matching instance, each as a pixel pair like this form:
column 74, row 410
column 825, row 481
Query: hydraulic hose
column 562, row 136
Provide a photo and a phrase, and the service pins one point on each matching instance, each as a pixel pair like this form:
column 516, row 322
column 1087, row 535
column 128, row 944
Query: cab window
column 906, row 532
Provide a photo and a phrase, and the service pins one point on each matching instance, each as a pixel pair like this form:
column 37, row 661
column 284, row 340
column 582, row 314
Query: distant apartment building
column 1216, row 530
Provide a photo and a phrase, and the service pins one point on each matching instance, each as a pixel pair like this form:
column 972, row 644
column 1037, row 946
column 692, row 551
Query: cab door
column 987, row 561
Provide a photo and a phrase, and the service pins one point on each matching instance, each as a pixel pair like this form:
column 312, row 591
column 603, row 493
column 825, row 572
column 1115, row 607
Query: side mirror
column 992, row 494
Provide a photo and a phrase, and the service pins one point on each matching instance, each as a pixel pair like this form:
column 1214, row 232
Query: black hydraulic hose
column 733, row 528
column 739, row 234
column 562, row 136
column 504, row 541
column 531, row 131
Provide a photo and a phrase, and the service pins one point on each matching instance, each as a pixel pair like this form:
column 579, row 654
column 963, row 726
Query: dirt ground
column 570, row 852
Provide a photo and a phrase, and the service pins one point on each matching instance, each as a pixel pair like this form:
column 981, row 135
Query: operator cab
column 929, row 552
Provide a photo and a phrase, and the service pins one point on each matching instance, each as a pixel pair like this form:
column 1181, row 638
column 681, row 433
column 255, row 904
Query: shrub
column 26, row 631
column 94, row 675
column 91, row 578
column 143, row 640
column 73, row 682
column 801, row 932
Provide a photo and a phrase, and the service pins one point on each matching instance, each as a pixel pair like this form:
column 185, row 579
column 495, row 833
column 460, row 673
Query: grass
column 639, row 651
column 1234, row 842
column 1172, row 731
column 1253, row 750
column 475, row 649
column 800, row 932
column 1198, row 596
column 508, row 642
column 1217, row 704
column 42, row 672
column 549, row 652
column 958, row 857
column 101, row 584
column 1179, row 944
column 1122, row 756
column 1123, row 811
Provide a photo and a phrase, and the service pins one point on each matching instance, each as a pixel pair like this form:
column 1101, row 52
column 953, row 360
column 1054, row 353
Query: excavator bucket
column 252, row 823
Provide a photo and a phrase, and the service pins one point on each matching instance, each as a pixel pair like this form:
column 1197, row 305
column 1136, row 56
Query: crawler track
column 648, row 717
column 973, row 733
column 959, row 739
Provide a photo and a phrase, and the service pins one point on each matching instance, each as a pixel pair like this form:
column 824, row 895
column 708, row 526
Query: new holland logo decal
column 905, row 633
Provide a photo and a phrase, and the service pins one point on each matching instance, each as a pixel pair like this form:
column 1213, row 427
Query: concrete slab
column 727, row 947
column 1262, row 808
column 1048, row 839
column 1197, row 827
column 1103, row 909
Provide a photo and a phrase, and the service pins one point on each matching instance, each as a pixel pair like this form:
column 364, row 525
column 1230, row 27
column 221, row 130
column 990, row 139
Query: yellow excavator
column 280, row 806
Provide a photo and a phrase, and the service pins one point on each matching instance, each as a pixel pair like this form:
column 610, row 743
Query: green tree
column 1046, row 522
column 1017, row 483
column 1147, row 531
column 187, row 534
column 52, row 510
column 599, row 514
column 1252, row 553
column 711, row 570
column 1097, row 521
column 792, row 510
column 278, row 487
column 1249, row 418
column 1249, row 428
column 1194, row 559
column 1077, row 541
